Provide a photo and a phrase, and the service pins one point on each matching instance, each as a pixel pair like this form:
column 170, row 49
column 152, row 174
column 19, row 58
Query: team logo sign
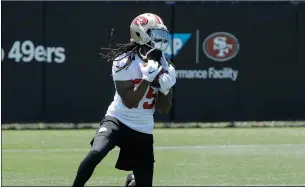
column 221, row 46
column 140, row 20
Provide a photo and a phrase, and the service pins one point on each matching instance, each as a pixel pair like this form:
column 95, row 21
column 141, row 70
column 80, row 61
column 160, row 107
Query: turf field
column 232, row 156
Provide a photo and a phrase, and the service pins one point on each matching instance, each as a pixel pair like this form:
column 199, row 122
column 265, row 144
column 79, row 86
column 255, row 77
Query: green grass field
column 232, row 156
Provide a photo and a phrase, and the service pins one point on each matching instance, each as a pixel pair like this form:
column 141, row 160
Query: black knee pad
column 101, row 144
column 99, row 149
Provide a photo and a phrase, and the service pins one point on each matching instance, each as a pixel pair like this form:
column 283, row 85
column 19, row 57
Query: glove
column 150, row 71
column 172, row 74
column 166, row 83
column 168, row 67
column 164, row 63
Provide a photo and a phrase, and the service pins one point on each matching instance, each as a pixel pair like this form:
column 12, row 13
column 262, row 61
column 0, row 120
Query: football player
column 143, row 78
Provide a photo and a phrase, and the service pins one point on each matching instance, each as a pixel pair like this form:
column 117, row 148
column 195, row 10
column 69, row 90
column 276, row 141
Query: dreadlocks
column 118, row 50
column 114, row 50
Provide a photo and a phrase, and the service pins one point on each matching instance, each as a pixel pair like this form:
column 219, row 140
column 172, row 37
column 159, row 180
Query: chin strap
column 145, row 56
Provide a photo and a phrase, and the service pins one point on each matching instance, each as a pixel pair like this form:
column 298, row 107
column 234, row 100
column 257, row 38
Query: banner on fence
column 237, row 61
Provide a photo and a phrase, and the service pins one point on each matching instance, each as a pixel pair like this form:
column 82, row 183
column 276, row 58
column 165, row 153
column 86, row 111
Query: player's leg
column 141, row 176
column 144, row 175
column 137, row 155
column 143, row 168
column 105, row 140
column 100, row 148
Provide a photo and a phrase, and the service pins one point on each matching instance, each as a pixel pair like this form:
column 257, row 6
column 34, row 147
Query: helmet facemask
column 158, row 40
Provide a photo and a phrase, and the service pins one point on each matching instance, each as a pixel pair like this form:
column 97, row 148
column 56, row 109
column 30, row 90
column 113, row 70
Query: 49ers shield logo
column 221, row 46
column 140, row 20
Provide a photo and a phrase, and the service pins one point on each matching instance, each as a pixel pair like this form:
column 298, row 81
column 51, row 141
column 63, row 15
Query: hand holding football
column 155, row 83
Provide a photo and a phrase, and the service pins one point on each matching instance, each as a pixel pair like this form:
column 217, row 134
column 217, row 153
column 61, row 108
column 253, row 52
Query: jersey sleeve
column 124, row 74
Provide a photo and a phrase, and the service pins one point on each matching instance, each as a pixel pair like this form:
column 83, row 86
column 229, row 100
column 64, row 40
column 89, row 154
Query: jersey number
column 150, row 95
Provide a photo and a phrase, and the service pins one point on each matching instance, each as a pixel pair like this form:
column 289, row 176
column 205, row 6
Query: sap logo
column 179, row 40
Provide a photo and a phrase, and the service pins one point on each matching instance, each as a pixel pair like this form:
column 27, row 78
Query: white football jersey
column 141, row 117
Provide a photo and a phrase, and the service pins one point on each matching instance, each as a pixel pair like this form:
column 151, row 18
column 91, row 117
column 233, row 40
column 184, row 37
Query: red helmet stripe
column 158, row 19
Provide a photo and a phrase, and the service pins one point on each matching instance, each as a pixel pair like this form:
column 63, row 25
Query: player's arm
column 164, row 102
column 129, row 94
